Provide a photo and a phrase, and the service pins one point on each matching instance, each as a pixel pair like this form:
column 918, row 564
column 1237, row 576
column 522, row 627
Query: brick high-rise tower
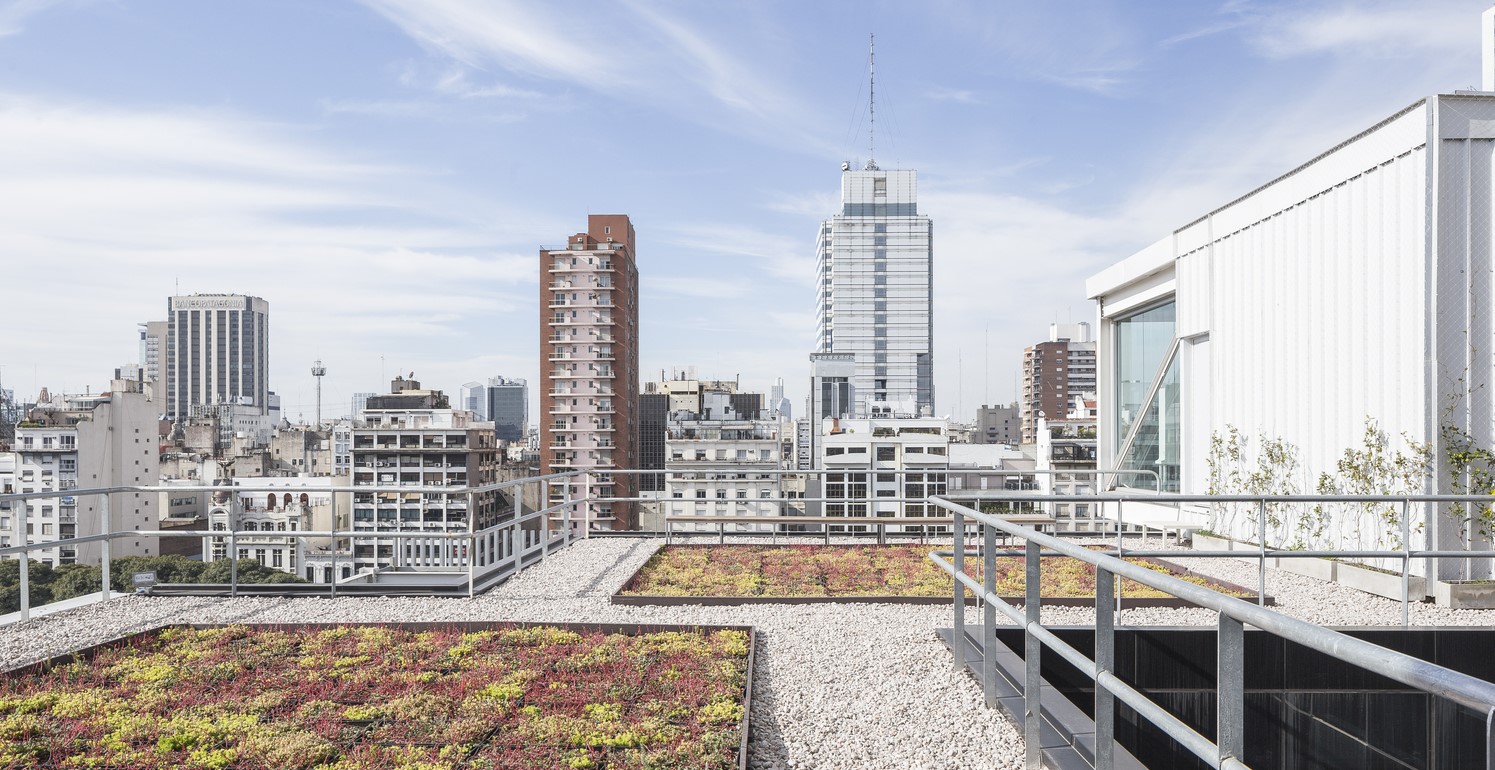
column 589, row 362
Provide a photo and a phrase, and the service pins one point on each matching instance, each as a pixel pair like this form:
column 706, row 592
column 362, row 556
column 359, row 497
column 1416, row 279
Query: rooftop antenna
column 871, row 100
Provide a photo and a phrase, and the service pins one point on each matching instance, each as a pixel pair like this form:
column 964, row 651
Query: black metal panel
column 1304, row 710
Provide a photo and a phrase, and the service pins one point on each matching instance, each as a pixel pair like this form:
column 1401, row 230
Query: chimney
column 1487, row 50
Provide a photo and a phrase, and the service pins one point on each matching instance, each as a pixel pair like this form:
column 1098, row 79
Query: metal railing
column 486, row 556
column 1227, row 749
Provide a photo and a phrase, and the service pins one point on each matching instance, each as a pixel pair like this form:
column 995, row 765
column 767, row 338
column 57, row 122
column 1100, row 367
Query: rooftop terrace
column 836, row 685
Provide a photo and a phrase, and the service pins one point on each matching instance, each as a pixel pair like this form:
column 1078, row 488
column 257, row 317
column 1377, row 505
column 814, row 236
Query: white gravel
column 850, row 685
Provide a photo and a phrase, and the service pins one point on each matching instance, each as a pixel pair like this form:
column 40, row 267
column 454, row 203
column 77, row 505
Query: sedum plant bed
column 427, row 696
column 749, row 574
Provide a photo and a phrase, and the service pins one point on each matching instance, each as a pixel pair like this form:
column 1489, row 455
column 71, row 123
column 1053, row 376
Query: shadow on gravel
column 604, row 574
column 766, row 747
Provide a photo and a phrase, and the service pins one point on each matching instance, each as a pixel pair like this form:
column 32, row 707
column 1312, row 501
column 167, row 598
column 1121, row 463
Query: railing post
column 1406, row 563
column 1120, row 550
column 586, row 511
column 332, row 585
column 989, row 614
column 25, row 573
column 106, row 529
column 958, row 628
column 1230, row 688
column 233, row 563
column 721, row 532
column 472, row 564
column 1261, row 564
column 1032, row 652
column 516, row 543
column 544, row 519
column 1105, row 662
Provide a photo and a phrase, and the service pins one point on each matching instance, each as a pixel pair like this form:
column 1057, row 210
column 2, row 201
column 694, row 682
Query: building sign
column 208, row 303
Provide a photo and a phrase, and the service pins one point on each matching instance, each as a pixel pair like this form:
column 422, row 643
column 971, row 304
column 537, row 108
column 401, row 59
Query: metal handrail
column 1233, row 615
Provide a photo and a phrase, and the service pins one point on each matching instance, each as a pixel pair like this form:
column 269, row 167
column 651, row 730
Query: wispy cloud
column 942, row 94
column 1365, row 29
column 640, row 54
column 13, row 14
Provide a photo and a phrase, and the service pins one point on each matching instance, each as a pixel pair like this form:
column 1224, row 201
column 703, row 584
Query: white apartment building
column 1067, row 444
column 874, row 292
column 720, row 467
column 1356, row 286
column 88, row 442
column 867, row 461
column 411, row 437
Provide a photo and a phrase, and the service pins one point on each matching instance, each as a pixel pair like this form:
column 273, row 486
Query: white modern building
column 1358, row 286
column 89, row 442
column 868, row 461
column 8, row 509
column 217, row 352
column 874, row 292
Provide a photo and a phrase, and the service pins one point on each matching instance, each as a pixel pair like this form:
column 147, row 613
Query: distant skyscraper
column 217, row 351
column 508, row 407
column 874, row 291
column 153, row 336
column 589, row 346
column 360, row 403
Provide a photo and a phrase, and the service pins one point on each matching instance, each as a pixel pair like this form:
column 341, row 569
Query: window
column 886, row 453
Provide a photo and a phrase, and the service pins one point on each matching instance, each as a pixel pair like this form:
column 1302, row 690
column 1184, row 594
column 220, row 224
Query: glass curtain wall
column 1147, row 420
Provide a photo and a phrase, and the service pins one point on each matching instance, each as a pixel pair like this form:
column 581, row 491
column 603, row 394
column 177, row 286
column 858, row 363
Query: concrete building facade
column 88, row 442
column 589, row 378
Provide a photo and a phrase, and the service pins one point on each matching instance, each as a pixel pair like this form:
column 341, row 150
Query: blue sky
column 384, row 172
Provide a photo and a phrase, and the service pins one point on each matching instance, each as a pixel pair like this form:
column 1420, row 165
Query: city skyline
column 387, row 201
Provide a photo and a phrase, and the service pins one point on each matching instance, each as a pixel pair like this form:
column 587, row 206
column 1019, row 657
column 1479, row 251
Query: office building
column 508, row 408
column 874, row 292
column 1054, row 373
column 653, row 422
column 217, row 352
column 589, row 381
column 153, row 342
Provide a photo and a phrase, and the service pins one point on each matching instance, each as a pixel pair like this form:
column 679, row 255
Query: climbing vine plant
column 1471, row 470
column 1374, row 468
column 1275, row 468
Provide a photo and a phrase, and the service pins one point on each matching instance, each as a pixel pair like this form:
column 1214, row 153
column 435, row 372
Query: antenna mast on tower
column 872, row 99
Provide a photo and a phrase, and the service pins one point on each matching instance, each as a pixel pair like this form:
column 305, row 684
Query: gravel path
column 856, row 685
